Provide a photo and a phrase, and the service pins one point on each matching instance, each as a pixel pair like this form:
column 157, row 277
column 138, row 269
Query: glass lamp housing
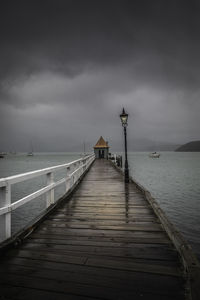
column 124, row 118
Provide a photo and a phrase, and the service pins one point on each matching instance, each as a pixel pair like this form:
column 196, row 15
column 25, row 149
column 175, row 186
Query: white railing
column 74, row 170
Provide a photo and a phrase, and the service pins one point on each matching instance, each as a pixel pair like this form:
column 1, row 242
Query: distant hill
column 135, row 144
column 189, row 147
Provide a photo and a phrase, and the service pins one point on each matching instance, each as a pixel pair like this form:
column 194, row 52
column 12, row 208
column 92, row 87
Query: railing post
column 83, row 163
column 82, row 170
column 78, row 172
column 75, row 174
column 5, row 220
column 68, row 180
column 50, row 194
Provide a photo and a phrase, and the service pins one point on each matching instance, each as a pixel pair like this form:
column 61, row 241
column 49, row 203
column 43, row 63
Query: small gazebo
column 101, row 148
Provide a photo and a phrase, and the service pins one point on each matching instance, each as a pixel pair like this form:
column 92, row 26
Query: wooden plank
column 116, row 219
column 61, row 259
column 122, row 227
column 74, row 258
column 138, row 251
column 99, row 243
column 10, row 292
column 90, row 270
column 100, row 277
column 98, row 205
column 49, row 256
column 76, row 289
column 100, row 222
column 101, row 232
column 108, row 215
column 145, row 240
column 133, row 266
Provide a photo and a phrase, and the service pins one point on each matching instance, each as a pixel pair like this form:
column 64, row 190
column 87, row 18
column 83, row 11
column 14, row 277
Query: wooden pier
column 105, row 242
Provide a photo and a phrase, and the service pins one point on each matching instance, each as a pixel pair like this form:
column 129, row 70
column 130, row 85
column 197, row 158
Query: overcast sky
column 68, row 67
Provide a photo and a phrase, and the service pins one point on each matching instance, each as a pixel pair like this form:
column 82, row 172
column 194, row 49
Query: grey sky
column 68, row 67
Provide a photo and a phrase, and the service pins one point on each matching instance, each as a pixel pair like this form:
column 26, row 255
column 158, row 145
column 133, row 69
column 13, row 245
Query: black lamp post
column 124, row 119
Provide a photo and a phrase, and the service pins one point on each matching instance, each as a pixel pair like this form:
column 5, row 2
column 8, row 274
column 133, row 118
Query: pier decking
column 105, row 243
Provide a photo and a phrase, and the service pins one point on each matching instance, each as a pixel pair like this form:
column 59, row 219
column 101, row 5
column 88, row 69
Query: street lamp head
column 124, row 118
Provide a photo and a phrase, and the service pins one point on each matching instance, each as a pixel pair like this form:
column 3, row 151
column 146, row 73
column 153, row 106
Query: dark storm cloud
column 73, row 64
column 64, row 34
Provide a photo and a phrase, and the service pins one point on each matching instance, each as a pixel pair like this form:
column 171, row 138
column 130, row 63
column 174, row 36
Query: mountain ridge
column 193, row 146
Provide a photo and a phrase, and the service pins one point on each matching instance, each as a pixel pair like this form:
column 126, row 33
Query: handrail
column 75, row 170
column 29, row 175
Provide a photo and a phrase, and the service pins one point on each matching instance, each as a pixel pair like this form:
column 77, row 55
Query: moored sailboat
column 154, row 155
column 30, row 153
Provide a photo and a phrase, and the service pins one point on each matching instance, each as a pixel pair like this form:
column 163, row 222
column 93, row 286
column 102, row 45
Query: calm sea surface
column 173, row 179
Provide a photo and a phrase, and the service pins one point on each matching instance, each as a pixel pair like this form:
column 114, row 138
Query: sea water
column 173, row 179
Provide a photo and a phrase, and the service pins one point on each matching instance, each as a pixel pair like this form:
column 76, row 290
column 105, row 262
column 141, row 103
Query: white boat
column 154, row 155
column 30, row 154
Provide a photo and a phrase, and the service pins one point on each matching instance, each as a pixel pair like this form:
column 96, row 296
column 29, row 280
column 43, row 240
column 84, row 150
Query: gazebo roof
column 101, row 143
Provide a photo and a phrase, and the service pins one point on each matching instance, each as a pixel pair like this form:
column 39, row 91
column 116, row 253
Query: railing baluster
column 82, row 170
column 79, row 172
column 50, row 194
column 75, row 174
column 68, row 186
column 5, row 219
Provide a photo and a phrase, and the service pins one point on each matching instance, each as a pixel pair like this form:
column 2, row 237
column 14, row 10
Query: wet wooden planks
column 105, row 243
